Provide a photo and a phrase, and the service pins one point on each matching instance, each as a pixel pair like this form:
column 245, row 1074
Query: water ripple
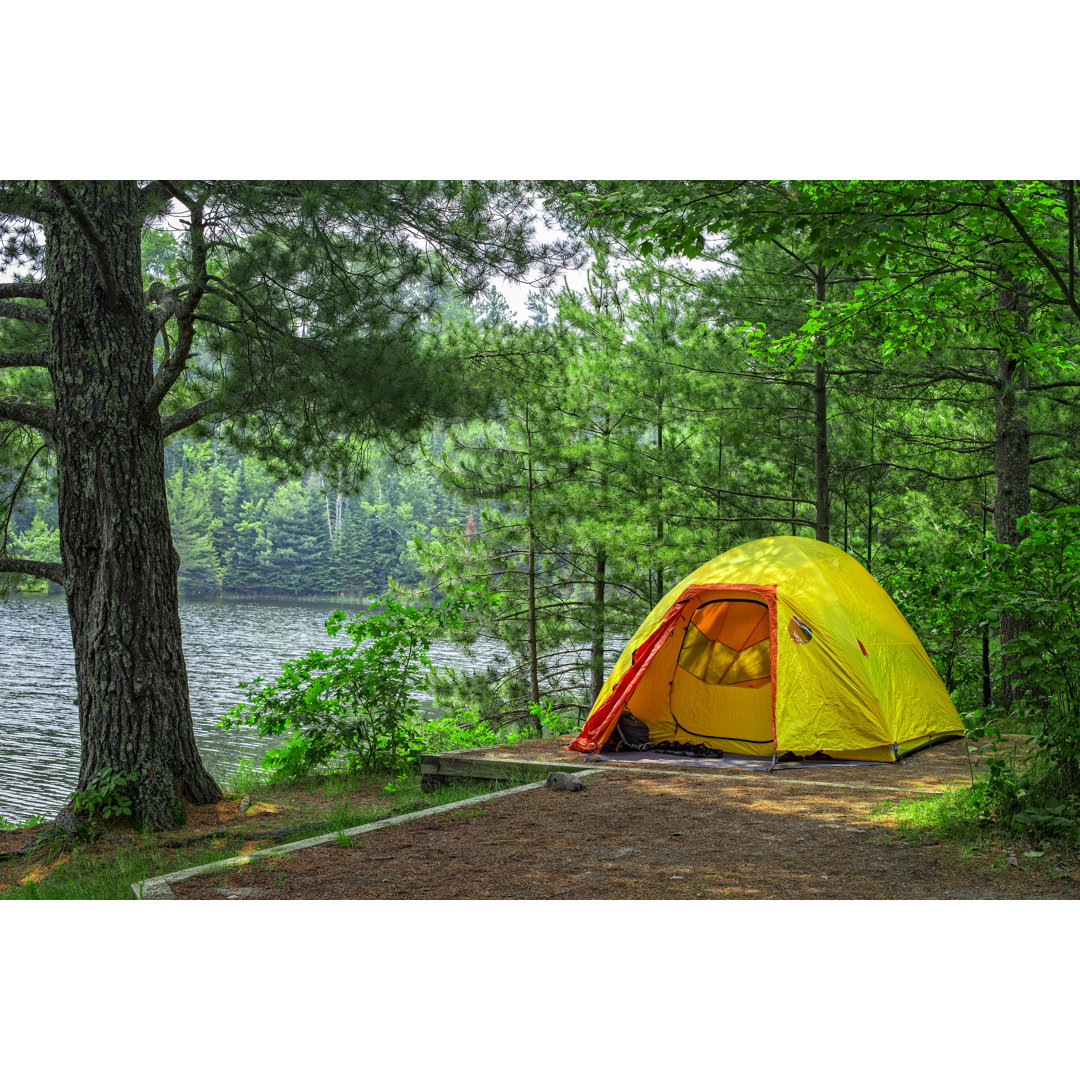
column 225, row 642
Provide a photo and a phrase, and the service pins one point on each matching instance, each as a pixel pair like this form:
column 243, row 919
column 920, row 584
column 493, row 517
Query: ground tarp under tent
column 782, row 646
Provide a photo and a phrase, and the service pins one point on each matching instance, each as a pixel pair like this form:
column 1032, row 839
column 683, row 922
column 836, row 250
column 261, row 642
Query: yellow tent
column 782, row 645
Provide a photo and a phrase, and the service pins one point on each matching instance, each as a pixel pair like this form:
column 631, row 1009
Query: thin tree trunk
column 119, row 561
column 794, row 487
column 987, row 693
column 847, row 546
column 870, row 503
column 1012, row 454
column 821, row 427
column 326, row 503
column 719, row 485
column 659, row 572
column 596, row 657
column 534, row 679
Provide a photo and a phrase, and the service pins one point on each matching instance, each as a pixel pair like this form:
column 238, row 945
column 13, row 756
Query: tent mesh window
column 727, row 643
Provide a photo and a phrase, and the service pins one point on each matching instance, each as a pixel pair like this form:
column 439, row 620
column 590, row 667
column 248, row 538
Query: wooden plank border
column 159, row 888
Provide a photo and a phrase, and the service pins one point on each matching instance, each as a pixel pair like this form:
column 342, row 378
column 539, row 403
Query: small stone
column 245, row 802
column 564, row 781
column 1013, row 861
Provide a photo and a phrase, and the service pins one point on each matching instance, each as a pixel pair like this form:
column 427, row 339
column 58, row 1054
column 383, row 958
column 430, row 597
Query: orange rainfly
column 780, row 645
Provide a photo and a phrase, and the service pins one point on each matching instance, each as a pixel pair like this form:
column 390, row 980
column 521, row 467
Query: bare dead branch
column 12, row 498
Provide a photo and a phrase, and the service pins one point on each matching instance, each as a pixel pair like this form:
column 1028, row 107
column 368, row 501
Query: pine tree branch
column 13, row 497
column 177, row 192
column 40, row 417
column 50, row 571
column 24, row 359
column 167, row 301
column 22, row 290
column 1053, row 495
column 1055, row 385
column 233, row 327
column 93, row 238
column 9, row 310
column 940, row 476
column 166, row 377
column 174, row 364
column 170, row 425
column 24, row 204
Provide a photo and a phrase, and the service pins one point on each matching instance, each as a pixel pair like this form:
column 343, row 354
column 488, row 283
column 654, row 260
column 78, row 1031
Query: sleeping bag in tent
column 783, row 645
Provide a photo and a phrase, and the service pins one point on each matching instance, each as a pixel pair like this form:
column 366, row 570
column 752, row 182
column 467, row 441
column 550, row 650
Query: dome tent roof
column 847, row 675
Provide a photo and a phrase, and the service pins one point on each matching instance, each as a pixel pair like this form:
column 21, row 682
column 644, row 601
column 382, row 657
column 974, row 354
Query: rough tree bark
column 1012, row 453
column 120, row 565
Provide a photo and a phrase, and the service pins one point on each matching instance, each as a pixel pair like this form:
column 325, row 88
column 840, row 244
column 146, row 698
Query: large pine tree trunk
column 119, row 561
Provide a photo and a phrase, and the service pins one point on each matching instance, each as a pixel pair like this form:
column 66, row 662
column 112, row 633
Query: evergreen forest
column 887, row 367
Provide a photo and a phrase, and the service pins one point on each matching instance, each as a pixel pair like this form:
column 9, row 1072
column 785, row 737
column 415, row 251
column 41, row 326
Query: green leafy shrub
column 466, row 729
column 107, row 795
column 1038, row 584
column 354, row 706
column 551, row 722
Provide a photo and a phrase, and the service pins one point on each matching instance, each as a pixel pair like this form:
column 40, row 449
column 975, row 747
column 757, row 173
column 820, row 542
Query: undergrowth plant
column 107, row 796
column 1037, row 584
column 466, row 729
column 354, row 707
column 29, row 823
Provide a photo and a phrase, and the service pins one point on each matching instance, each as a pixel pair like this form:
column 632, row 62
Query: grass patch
column 29, row 823
column 279, row 813
column 953, row 815
column 961, row 819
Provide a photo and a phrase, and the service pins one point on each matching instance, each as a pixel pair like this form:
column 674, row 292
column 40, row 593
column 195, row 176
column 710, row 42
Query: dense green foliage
column 353, row 707
column 889, row 367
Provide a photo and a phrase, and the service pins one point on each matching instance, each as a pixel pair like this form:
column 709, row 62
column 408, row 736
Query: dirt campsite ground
column 663, row 833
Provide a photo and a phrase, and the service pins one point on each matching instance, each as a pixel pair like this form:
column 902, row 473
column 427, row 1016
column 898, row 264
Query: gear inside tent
column 781, row 647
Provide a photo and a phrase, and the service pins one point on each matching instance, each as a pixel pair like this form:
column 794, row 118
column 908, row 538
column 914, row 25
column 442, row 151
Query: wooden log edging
column 159, row 888
column 457, row 765
column 450, row 767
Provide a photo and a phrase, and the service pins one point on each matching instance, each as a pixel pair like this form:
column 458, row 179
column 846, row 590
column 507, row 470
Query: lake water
column 225, row 642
